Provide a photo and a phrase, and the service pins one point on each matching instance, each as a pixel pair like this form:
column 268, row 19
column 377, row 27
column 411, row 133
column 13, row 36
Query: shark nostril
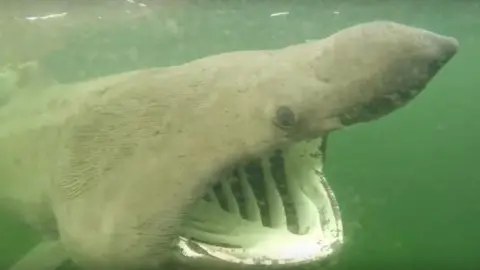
column 405, row 94
column 434, row 66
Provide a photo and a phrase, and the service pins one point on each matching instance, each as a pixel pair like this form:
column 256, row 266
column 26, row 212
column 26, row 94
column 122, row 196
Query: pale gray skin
column 111, row 166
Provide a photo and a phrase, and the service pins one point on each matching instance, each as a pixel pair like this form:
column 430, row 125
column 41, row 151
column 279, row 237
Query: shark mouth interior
column 277, row 210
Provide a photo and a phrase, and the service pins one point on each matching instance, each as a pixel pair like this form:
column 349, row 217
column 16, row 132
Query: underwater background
column 408, row 185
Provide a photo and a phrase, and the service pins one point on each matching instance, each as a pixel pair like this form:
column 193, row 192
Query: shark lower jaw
column 276, row 211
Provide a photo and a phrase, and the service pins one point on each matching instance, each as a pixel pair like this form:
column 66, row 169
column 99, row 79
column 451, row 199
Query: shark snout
column 444, row 49
column 449, row 47
column 404, row 60
column 438, row 51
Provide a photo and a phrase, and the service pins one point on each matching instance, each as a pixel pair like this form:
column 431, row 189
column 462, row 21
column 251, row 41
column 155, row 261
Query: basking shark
column 139, row 169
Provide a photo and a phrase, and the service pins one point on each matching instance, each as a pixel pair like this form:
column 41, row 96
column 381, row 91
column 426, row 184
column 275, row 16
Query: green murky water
column 407, row 185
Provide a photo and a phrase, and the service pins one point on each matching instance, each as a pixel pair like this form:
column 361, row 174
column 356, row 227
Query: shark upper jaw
column 277, row 210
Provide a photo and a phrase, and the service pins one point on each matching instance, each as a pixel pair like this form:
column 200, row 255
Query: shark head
column 356, row 75
column 226, row 152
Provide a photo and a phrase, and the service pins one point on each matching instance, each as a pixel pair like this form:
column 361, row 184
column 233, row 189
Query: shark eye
column 285, row 118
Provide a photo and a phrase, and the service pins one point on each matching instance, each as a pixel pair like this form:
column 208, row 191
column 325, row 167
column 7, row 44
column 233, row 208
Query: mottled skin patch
column 116, row 161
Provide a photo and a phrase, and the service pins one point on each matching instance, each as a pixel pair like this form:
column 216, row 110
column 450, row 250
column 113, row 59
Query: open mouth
column 277, row 210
